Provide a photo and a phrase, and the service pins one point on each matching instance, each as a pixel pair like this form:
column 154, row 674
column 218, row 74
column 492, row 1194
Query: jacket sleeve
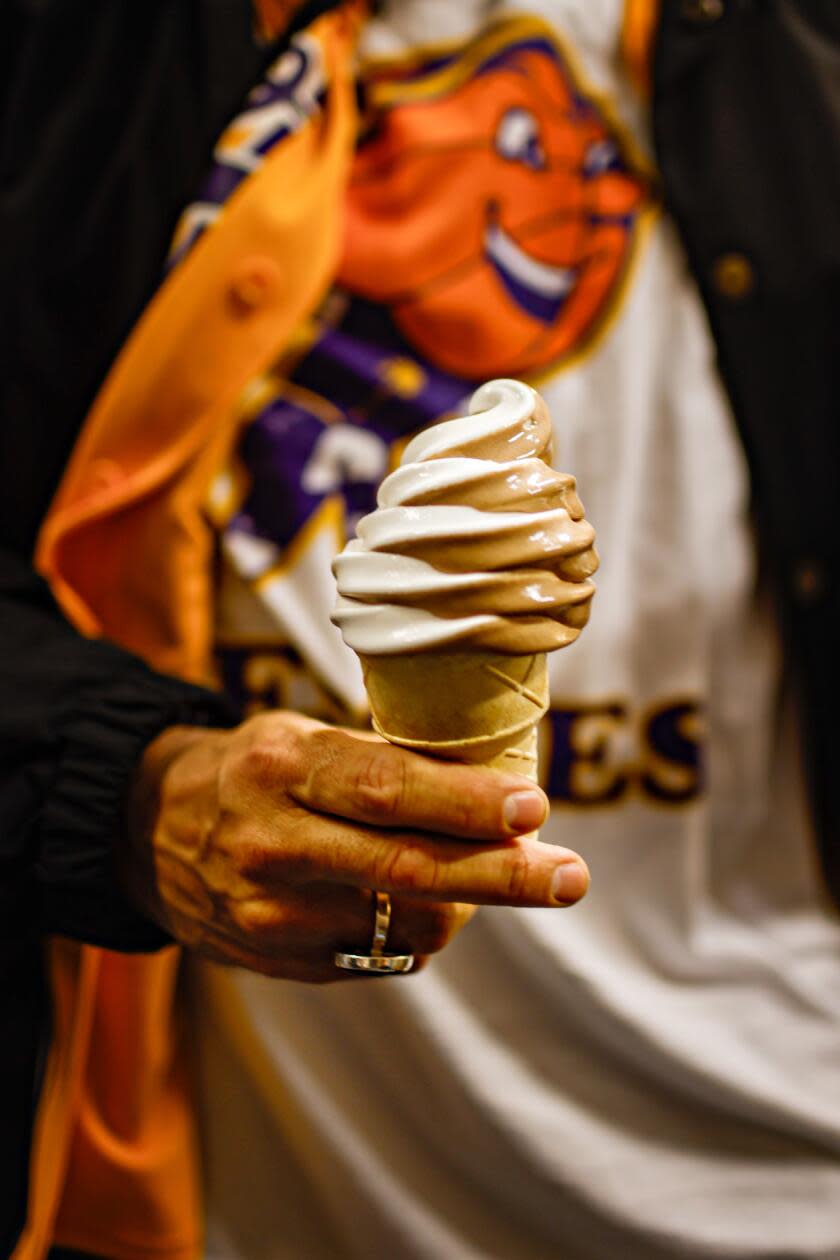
column 75, row 716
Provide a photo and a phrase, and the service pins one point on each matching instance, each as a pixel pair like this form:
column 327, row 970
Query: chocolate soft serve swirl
column 476, row 543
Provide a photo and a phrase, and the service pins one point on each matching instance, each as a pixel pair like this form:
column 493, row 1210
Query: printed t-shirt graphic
column 492, row 207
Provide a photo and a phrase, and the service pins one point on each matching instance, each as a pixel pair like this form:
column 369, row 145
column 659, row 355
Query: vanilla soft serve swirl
column 476, row 543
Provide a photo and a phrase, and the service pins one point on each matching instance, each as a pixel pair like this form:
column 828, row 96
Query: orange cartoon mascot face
column 491, row 207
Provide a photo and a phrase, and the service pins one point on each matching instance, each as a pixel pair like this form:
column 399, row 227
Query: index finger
column 370, row 781
column 518, row 872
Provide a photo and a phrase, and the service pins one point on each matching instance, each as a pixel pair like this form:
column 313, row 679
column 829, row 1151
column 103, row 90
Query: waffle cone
column 480, row 707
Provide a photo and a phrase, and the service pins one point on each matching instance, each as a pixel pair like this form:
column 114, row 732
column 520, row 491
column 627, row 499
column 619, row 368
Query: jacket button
column 809, row 582
column 701, row 12
column 254, row 285
column 733, row 275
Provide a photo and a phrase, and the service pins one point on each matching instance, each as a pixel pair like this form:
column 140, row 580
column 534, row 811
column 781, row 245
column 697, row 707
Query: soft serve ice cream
column 476, row 545
column 475, row 563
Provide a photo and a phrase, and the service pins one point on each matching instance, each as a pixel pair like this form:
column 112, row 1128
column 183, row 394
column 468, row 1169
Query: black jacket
column 109, row 113
column 747, row 126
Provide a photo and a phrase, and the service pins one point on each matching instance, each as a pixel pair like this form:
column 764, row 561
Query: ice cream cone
column 474, row 564
column 479, row 707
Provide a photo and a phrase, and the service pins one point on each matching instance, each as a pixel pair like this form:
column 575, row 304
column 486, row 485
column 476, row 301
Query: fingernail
column 571, row 880
column 524, row 811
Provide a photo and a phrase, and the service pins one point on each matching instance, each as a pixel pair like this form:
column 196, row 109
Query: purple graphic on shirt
column 357, row 391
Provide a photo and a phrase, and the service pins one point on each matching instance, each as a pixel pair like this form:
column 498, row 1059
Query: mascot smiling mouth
column 540, row 288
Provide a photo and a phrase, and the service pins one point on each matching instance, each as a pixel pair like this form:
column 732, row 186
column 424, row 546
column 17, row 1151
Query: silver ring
column 381, row 922
column 377, row 962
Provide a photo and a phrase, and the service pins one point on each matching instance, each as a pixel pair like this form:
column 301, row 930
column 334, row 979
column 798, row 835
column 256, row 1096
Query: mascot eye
column 518, row 139
column 602, row 155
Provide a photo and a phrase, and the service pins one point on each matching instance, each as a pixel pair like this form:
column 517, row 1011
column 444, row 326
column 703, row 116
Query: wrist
column 136, row 859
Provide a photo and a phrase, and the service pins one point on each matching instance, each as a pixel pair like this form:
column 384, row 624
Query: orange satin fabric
column 128, row 553
column 638, row 33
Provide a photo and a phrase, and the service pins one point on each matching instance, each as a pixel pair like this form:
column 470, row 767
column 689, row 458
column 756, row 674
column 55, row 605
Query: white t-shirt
column 655, row 1072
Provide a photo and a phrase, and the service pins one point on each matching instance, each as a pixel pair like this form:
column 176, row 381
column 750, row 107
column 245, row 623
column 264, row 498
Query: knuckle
column 407, row 869
column 316, row 765
column 464, row 809
column 256, row 920
column 379, row 784
column 266, row 753
column 252, row 860
column 519, row 878
column 322, row 747
column 266, row 764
